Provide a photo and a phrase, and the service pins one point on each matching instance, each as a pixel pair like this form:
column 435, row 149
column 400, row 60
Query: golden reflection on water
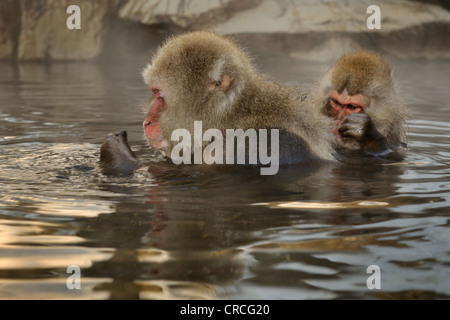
column 379, row 203
column 152, row 255
column 327, row 205
column 176, row 290
column 40, row 257
column 353, row 243
column 69, row 207
column 47, row 289
column 36, row 232
column 73, row 208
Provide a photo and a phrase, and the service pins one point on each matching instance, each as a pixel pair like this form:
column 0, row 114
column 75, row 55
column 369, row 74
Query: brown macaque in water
column 359, row 94
column 203, row 76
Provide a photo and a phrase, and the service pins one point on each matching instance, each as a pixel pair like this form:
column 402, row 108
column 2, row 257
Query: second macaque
column 359, row 94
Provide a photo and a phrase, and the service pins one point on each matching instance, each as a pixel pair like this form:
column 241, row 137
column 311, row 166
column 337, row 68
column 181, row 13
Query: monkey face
column 361, row 82
column 341, row 105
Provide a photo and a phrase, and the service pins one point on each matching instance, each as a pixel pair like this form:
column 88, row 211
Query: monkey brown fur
column 358, row 91
column 116, row 155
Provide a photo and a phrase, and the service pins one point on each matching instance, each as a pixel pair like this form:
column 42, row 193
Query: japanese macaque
column 203, row 76
column 359, row 94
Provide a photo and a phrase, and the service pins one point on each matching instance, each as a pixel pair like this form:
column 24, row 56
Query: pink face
column 343, row 105
column 152, row 129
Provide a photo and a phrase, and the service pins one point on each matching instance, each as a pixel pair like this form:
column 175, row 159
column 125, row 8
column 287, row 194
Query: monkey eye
column 157, row 92
column 353, row 107
column 336, row 102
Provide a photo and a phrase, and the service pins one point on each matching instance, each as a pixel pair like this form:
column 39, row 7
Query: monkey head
column 195, row 76
column 361, row 82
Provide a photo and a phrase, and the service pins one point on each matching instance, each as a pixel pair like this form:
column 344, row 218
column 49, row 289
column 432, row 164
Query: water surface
column 309, row 232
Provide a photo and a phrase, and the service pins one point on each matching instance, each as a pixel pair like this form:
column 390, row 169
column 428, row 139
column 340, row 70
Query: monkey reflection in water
column 203, row 76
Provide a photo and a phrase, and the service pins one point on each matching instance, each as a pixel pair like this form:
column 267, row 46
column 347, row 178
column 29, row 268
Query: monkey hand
column 116, row 155
column 358, row 129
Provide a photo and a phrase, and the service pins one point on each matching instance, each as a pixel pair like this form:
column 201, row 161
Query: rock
column 9, row 28
column 309, row 29
column 339, row 16
column 185, row 14
column 44, row 35
column 292, row 17
column 305, row 29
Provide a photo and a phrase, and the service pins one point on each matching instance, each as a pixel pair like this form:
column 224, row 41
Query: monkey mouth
column 155, row 144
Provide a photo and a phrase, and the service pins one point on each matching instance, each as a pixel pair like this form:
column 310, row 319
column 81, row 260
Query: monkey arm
column 360, row 128
column 116, row 155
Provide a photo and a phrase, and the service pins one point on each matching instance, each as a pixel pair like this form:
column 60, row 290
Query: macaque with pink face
column 359, row 94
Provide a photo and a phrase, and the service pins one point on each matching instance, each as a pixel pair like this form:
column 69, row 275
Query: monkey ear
column 146, row 74
column 223, row 84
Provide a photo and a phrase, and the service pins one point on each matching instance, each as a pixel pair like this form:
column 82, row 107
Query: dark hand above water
column 358, row 130
column 116, row 156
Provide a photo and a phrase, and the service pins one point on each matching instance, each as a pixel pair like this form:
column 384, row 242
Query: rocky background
column 310, row 29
